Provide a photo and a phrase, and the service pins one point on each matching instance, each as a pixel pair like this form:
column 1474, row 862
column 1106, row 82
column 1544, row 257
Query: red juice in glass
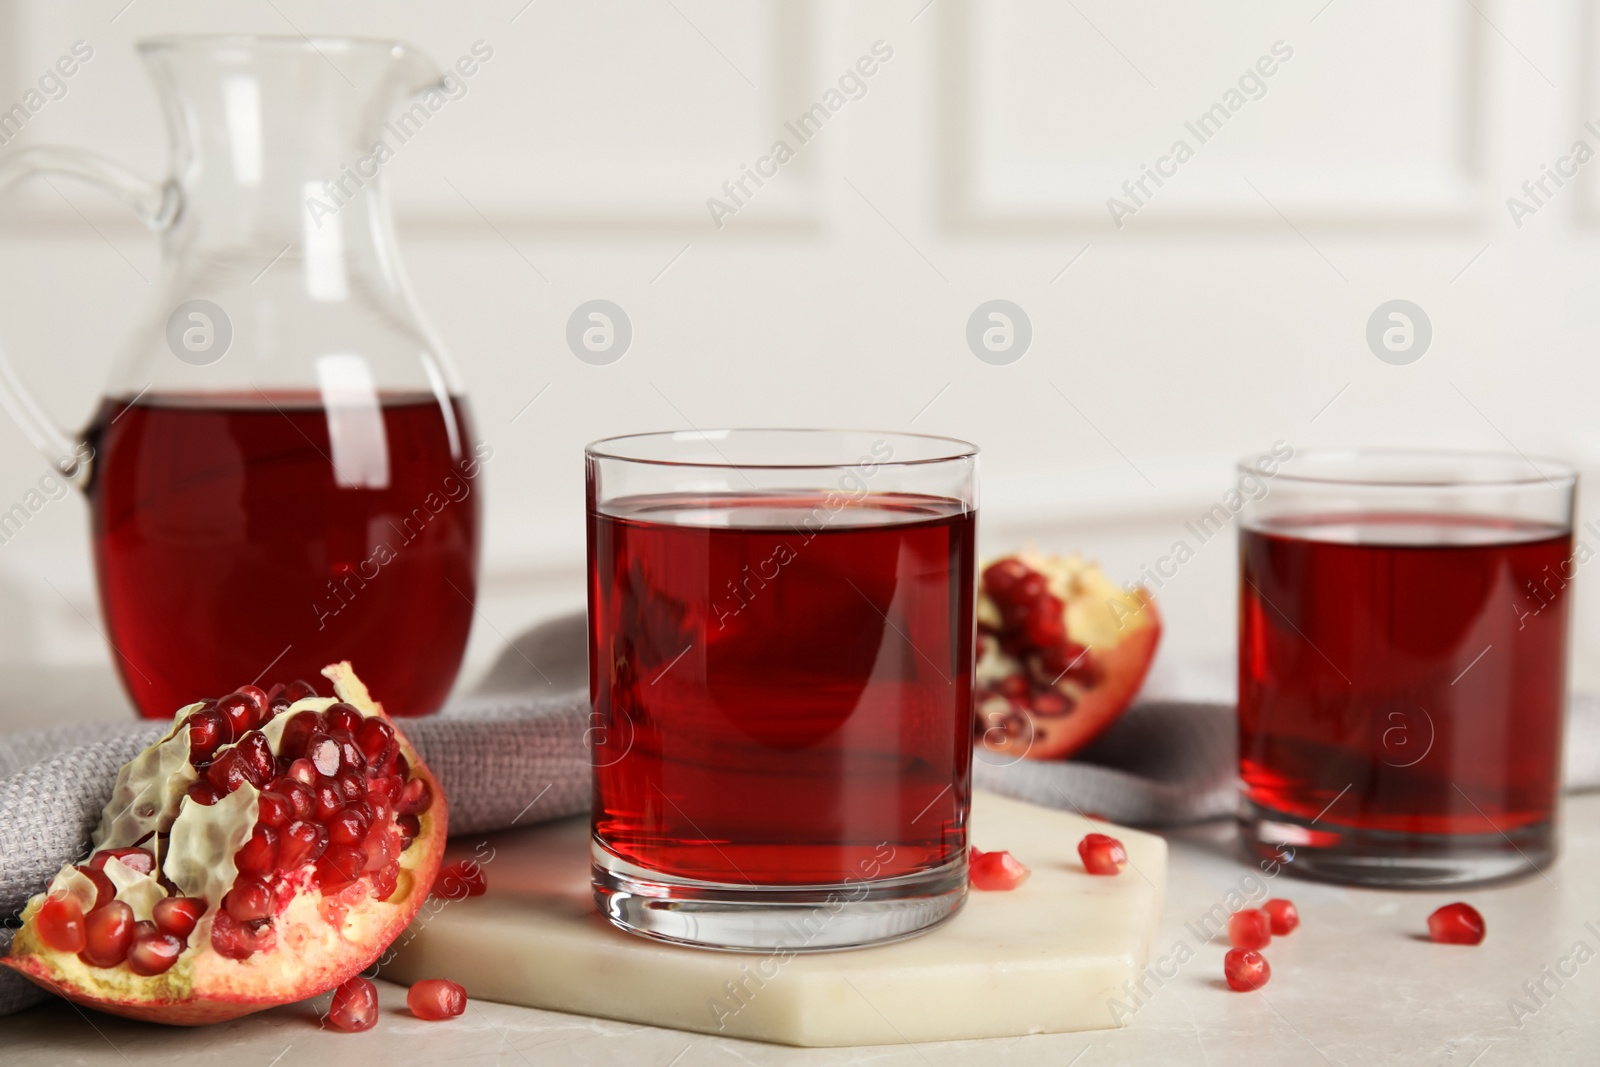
column 1402, row 681
column 251, row 537
column 782, row 688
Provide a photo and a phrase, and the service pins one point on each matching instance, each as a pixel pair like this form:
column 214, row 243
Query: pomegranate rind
column 1120, row 627
column 311, row 954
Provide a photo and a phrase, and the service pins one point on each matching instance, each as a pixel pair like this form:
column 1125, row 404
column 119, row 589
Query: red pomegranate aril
column 301, row 843
column 1283, row 915
column 302, row 801
column 353, row 784
column 376, row 739
column 1015, row 687
column 104, row 891
column 410, row 827
column 382, row 847
column 344, row 717
column 995, row 871
column 351, row 758
column 385, row 786
column 1245, row 969
column 303, row 771
column 249, row 900
column 153, row 952
column 61, row 925
column 459, row 880
column 349, row 827
column 297, row 733
column 323, row 752
column 397, row 765
column 340, row 865
column 354, row 1007
column 385, row 881
column 256, row 695
column 259, row 854
column 274, row 809
column 1102, row 855
column 228, row 772
column 329, row 799
column 177, row 915
column 1051, row 704
column 207, row 733
column 298, row 690
column 1030, row 587
column 255, row 751
column 1456, row 924
column 240, row 712
column 202, row 792
column 137, row 859
column 235, row 940
column 108, row 931
column 436, row 998
column 415, row 797
column 1000, row 578
column 1250, row 928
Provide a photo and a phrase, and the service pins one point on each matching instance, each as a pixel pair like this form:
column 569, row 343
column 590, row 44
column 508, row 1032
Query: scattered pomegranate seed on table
column 1456, row 924
column 354, row 1007
column 436, row 998
column 1283, row 915
column 1250, row 928
column 996, row 870
column 1245, row 969
column 1102, row 854
column 461, row 879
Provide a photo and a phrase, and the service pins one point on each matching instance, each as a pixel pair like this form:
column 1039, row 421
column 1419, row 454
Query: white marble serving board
column 1045, row 958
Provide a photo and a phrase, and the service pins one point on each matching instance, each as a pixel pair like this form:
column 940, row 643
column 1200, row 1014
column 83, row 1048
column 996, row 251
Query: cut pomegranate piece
column 276, row 881
column 1245, row 969
column 1456, row 924
column 60, row 923
column 995, row 870
column 354, row 1007
column 459, row 880
column 436, row 998
column 1283, row 915
column 1063, row 651
column 1250, row 928
column 1102, row 854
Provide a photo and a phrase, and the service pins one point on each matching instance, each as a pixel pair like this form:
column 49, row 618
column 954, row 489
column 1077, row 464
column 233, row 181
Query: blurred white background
column 1228, row 312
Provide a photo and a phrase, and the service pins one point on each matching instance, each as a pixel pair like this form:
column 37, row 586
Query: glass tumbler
column 1402, row 663
column 780, row 660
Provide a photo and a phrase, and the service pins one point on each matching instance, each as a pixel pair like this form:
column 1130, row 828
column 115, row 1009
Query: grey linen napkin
column 512, row 753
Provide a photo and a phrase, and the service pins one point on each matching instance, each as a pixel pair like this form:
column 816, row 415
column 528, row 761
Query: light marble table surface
column 1358, row 983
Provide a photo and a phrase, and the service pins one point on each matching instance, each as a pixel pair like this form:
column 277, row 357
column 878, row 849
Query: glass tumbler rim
column 615, row 448
column 1387, row 467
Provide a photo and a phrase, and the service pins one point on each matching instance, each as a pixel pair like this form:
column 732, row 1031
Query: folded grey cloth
column 512, row 753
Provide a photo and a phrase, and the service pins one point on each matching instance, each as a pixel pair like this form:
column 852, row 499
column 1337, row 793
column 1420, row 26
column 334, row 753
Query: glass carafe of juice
column 282, row 473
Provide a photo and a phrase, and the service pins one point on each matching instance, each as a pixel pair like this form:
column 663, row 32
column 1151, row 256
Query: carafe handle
column 156, row 204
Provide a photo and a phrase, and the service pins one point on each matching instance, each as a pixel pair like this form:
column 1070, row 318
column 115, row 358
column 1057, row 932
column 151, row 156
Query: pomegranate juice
column 249, row 537
column 1402, row 679
column 783, row 693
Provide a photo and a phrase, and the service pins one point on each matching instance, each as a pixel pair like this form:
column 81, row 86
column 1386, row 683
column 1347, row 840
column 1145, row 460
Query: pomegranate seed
column 397, row 765
column 104, row 891
column 329, row 797
column 1283, row 915
column 1245, row 969
column 256, row 695
column 297, row 734
column 385, row 786
column 340, row 865
column 228, row 772
column 459, row 880
column 354, row 1007
column 274, row 809
column 136, row 858
column 153, row 952
column 1102, row 854
column 352, row 784
column 1030, row 587
column 323, row 752
column 1250, row 928
column 301, row 843
column 60, row 924
column 381, row 846
column 342, row 716
column 255, row 752
column 178, row 915
column 107, row 933
column 207, row 732
column 1014, row 687
column 376, row 739
column 249, row 900
column 302, row 801
column 234, row 940
column 240, row 712
column 1456, row 924
column 349, row 827
column 202, row 792
column 298, row 690
column 436, row 998
column 415, row 797
column 351, row 758
column 259, row 854
column 386, row 881
column 996, row 870
column 1051, row 704
column 410, row 828
column 1045, row 628
column 1000, row 578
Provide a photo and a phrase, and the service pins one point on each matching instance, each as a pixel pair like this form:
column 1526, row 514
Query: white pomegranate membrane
column 274, row 830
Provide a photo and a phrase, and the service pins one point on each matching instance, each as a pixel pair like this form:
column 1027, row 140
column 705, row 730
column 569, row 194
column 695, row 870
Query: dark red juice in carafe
column 260, row 537
column 783, row 693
